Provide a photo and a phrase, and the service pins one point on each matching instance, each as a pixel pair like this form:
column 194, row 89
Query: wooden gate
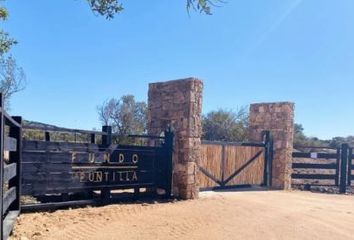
column 10, row 157
column 64, row 168
column 231, row 164
column 323, row 167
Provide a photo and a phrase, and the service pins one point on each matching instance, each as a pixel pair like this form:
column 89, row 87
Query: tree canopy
column 12, row 77
column 109, row 8
column 225, row 125
column 125, row 115
column 5, row 40
column 300, row 139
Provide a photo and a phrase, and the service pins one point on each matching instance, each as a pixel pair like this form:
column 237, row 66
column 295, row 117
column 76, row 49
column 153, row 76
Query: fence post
column 338, row 166
column 343, row 168
column 169, row 135
column 93, row 138
column 268, row 155
column 2, row 108
column 47, row 136
column 350, row 159
column 16, row 157
column 106, row 141
column 222, row 167
column 107, row 138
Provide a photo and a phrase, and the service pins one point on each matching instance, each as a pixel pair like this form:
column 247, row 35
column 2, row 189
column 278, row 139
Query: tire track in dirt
column 173, row 226
column 249, row 215
column 89, row 227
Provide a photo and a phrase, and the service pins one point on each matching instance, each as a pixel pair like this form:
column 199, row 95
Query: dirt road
column 230, row 215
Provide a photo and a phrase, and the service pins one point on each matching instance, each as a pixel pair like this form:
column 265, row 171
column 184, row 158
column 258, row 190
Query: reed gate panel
column 230, row 164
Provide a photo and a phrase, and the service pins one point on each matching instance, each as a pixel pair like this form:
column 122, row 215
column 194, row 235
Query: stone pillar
column 178, row 104
column 279, row 119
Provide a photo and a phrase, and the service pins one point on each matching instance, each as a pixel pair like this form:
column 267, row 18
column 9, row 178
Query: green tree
column 299, row 136
column 12, row 78
column 125, row 115
column 224, row 125
column 338, row 141
column 301, row 140
column 109, row 8
column 5, row 40
column 204, row 6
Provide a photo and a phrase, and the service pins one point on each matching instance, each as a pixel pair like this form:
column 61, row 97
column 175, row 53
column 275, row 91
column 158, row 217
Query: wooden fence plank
column 9, row 223
column 9, row 197
column 9, row 171
column 16, row 158
column 240, row 144
column 10, row 144
column 84, row 177
column 319, row 155
column 59, row 146
column 315, row 165
column 11, row 121
column 55, row 205
column 313, row 176
column 45, row 157
column 33, row 168
column 305, row 171
column 42, row 189
column 61, row 130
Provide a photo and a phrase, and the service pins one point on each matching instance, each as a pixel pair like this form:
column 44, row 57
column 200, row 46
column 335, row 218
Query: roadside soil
column 216, row 215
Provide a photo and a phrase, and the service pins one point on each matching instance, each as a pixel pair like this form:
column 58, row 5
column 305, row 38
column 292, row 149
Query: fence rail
column 54, row 129
column 61, row 129
column 10, row 174
column 324, row 168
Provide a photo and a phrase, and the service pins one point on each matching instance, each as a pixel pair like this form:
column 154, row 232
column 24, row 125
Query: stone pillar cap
column 189, row 79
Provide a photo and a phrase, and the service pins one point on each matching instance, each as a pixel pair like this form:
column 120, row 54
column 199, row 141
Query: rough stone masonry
column 178, row 104
column 278, row 118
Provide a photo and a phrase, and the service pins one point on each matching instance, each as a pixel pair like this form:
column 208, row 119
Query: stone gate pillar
column 279, row 119
column 178, row 104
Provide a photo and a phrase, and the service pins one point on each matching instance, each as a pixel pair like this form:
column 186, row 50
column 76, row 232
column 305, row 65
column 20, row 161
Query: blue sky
column 247, row 52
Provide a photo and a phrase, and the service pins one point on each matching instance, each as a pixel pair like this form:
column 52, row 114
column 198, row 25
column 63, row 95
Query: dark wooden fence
column 65, row 168
column 235, row 164
column 323, row 166
column 10, row 174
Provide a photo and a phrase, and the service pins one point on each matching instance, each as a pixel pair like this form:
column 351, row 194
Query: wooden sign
column 53, row 167
column 119, row 168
